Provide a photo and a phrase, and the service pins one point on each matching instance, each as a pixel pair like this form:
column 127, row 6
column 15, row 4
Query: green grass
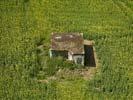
column 27, row 23
column 71, row 90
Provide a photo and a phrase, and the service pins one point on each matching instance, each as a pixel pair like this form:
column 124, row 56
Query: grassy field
column 26, row 24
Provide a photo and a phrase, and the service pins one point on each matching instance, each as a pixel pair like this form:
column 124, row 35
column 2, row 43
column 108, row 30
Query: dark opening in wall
column 89, row 56
column 63, row 54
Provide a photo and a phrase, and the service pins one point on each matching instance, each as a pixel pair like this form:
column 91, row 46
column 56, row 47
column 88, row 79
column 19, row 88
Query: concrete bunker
column 73, row 47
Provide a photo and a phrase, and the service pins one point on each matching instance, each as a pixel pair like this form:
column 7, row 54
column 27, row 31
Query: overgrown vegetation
column 27, row 24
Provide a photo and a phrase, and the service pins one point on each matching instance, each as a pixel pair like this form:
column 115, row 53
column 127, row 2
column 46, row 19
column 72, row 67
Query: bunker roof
column 72, row 42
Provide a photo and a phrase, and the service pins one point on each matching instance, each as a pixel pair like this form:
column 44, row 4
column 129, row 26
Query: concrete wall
column 78, row 59
column 70, row 56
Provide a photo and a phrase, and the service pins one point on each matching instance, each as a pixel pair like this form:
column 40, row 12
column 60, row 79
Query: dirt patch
column 85, row 73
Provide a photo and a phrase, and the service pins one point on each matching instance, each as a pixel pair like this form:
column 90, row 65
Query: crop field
column 26, row 71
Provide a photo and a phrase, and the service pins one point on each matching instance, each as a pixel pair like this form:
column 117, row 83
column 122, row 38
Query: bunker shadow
column 89, row 56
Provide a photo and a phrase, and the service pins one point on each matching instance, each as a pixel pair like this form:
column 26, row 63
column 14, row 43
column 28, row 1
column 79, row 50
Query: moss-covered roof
column 72, row 42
